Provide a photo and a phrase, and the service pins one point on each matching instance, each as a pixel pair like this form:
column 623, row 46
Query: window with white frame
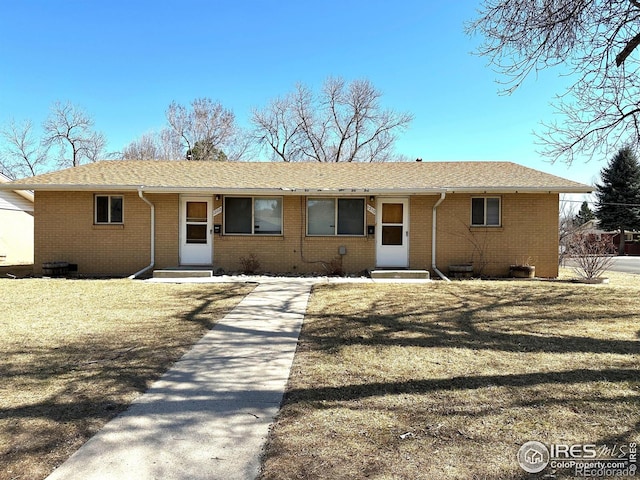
column 485, row 211
column 335, row 216
column 253, row 215
column 108, row 209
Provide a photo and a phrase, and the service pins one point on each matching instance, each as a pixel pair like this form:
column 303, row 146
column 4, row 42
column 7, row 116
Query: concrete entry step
column 182, row 273
column 401, row 274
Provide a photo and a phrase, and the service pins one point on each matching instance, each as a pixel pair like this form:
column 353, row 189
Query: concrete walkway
column 208, row 417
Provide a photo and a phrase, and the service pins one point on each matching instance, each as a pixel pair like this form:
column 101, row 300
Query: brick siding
column 65, row 231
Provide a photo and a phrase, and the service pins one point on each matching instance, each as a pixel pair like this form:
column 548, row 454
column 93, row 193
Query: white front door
column 196, row 239
column 392, row 232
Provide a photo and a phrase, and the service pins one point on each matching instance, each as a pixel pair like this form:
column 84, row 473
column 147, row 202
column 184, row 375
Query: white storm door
column 196, row 239
column 392, row 232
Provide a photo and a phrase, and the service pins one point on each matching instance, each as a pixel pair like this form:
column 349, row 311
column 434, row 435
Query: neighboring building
column 631, row 239
column 118, row 217
column 631, row 242
column 16, row 226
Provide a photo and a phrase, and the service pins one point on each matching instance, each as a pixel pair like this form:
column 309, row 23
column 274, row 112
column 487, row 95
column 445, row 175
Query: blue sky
column 125, row 61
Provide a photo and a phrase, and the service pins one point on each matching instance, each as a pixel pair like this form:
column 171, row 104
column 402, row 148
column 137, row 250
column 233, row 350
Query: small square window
column 485, row 211
column 108, row 209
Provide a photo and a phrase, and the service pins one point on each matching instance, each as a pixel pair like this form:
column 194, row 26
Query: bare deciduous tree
column 143, row 148
column 23, row 155
column 206, row 123
column 596, row 40
column 591, row 255
column 344, row 123
column 566, row 227
column 71, row 129
column 153, row 146
column 277, row 128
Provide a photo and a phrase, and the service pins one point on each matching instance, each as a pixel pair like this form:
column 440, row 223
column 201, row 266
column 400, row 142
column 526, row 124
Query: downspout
column 433, row 239
column 153, row 235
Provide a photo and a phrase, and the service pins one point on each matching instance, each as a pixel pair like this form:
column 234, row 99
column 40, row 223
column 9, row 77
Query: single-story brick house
column 123, row 217
column 16, row 226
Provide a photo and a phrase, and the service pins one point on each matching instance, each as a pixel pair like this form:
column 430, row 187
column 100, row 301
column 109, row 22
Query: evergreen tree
column 584, row 215
column 618, row 205
column 203, row 150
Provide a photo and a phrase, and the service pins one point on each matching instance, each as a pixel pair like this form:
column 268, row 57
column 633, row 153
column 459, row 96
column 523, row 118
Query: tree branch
column 626, row 51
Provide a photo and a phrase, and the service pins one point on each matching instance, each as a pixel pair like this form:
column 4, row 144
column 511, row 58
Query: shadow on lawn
column 353, row 392
column 68, row 389
column 541, row 320
column 202, row 304
column 481, row 320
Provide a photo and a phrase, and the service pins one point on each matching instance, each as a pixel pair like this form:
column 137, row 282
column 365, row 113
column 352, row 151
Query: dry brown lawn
column 447, row 381
column 76, row 353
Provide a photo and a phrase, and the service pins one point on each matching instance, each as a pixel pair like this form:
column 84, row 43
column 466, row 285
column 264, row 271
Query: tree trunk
column 621, row 242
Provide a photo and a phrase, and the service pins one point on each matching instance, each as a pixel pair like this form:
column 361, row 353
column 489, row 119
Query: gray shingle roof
column 229, row 177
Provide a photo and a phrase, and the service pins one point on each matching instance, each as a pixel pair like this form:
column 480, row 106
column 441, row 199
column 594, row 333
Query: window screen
column 493, row 211
column 116, row 209
column 321, row 216
column 237, row 215
column 350, row 216
column 267, row 216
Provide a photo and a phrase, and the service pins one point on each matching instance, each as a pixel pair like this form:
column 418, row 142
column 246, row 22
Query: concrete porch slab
column 400, row 274
column 182, row 273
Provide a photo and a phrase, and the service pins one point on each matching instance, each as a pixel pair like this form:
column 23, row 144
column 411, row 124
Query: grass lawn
column 76, row 353
column 447, row 381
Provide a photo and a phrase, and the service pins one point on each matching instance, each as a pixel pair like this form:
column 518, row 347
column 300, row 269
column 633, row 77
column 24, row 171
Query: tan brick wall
column 64, row 231
column 529, row 232
column 293, row 251
column 167, row 207
column 420, row 215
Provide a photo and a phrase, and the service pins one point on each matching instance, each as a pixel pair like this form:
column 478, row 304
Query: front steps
column 400, row 274
column 194, row 272
column 183, row 273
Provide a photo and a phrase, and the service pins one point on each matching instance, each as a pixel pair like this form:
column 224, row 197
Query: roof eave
column 223, row 190
column 28, row 188
column 26, row 194
column 558, row 189
column 5, row 184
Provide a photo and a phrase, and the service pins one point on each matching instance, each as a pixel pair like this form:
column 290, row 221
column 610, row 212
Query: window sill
column 324, row 237
column 487, row 227
column 252, row 235
column 108, row 226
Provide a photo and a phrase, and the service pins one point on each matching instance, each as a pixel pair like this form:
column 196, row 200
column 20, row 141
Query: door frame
column 392, row 256
column 201, row 254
